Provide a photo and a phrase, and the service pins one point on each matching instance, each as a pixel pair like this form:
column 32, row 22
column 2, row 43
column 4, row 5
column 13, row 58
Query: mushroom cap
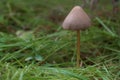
column 77, row 19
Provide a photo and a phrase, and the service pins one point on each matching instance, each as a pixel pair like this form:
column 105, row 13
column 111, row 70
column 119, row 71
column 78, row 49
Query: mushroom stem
column 78, row 48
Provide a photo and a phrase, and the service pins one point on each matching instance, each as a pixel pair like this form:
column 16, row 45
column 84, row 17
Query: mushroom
column 77, row 20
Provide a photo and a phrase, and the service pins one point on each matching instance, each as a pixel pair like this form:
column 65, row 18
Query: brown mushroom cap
column 77, row 19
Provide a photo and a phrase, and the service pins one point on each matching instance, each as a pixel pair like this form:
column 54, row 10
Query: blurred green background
column 33, row 45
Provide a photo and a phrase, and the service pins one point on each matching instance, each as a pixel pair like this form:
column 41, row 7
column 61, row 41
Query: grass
column 47, row 52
